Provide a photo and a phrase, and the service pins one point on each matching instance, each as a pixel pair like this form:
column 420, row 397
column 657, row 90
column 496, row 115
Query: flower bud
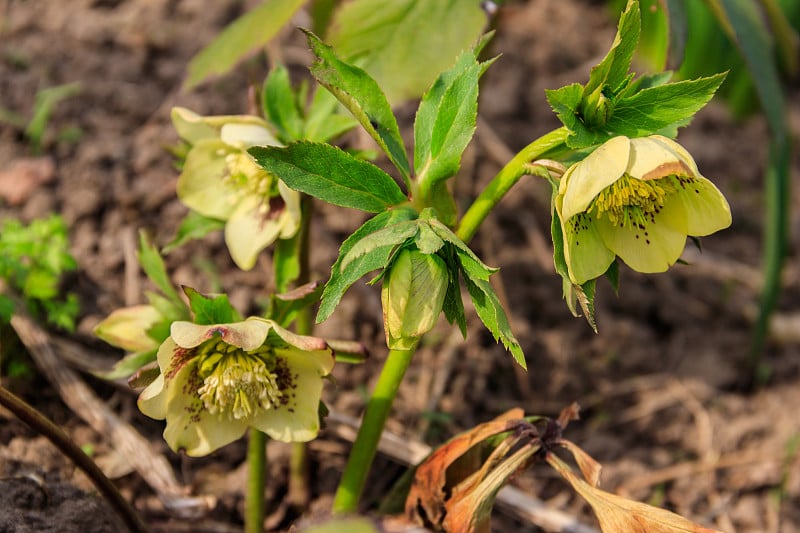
column 412, row 296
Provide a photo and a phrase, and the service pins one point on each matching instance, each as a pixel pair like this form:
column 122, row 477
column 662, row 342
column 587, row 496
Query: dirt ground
column 663, row 408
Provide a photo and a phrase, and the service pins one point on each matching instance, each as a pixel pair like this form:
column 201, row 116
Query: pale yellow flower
column 218, row 380
column 637, row 199
column 220, row 180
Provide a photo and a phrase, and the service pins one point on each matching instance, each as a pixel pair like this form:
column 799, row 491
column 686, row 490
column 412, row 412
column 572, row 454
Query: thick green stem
column 56, row 435
column 546, row 145
column 254, row 497
column 369, row 434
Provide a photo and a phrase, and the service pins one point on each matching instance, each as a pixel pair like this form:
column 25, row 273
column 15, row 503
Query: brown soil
column 660, row 385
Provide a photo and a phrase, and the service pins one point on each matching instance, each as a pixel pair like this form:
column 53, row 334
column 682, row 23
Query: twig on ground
column 153, row 468
column 61, row 440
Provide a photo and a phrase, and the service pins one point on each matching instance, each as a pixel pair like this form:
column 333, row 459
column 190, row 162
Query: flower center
column 248, row 178
column 237, row 383
column 631, row 202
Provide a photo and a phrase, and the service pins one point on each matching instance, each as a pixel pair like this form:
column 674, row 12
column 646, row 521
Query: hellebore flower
column 637, row 199
column 220, row 180
column 218, row 380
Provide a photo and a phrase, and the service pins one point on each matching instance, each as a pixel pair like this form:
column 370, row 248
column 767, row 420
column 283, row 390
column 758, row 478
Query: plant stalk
column 254, row 496
column 299, row 493
column 61, row 440
column 549, row 144
column 369, row 434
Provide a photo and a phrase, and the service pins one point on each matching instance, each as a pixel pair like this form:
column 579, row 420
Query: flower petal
column 301, row 342
column 656, row 157
column 190, row 126
column 585, row 252
column 190, row 426
column 653, row 249
column 298, row 421
column 127, row 328
column 707, row 210
column 291, row 216
column 243, row 136
column 153, row 400
column 201, row 186
column 249, row 230
column 247, row 335
column 583, row 181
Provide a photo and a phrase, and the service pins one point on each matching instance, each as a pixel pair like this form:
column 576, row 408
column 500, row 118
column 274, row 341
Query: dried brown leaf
column 621, row 515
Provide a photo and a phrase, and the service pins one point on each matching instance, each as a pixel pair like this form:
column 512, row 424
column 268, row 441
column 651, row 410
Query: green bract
column 637, row 199
column 220, row 180
column 219, row 379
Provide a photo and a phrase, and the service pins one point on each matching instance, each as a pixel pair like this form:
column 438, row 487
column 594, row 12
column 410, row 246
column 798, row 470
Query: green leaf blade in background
column 240, row 38
column 363, row 97
column 193, row 226
column 330, row 174
column 153, row 266
column 280, row 105
column 405, row 44
column 746, row 28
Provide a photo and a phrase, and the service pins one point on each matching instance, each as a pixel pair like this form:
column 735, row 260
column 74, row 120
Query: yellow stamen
column 238, row 383
column 630, row 202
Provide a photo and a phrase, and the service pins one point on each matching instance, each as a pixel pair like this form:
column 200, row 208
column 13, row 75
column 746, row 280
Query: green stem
column 254, row 497
column 299, row 494
column 548, row 144
column 56, row 435
column 369, row 434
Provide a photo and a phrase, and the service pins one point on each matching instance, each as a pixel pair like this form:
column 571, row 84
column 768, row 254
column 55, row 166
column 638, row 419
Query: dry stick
column 153, row 468
column 410, row 452
column 61, row 440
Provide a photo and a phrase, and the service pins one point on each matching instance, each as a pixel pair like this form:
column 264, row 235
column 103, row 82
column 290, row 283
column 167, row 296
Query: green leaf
column 393, row 235
column 280, row 105
column 193, row 226
column 128, row 365
column 340, row 281
column 209, row 310
column 240, row 38
column 453, row 307
column 427, row 241
column 331, row 174
column 491, row 313
column 466, row 256
column 660, row 107
column 446, row 122
column 744, row 25
column 153, row 266
column 360, row 94
column 612, row 71
column 405, row 44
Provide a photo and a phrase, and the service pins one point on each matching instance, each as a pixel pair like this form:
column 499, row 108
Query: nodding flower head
column 218, row 380
column 220, row 180
column 637, row 199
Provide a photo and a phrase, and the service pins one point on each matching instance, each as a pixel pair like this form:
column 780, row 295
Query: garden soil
column 663, row 385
